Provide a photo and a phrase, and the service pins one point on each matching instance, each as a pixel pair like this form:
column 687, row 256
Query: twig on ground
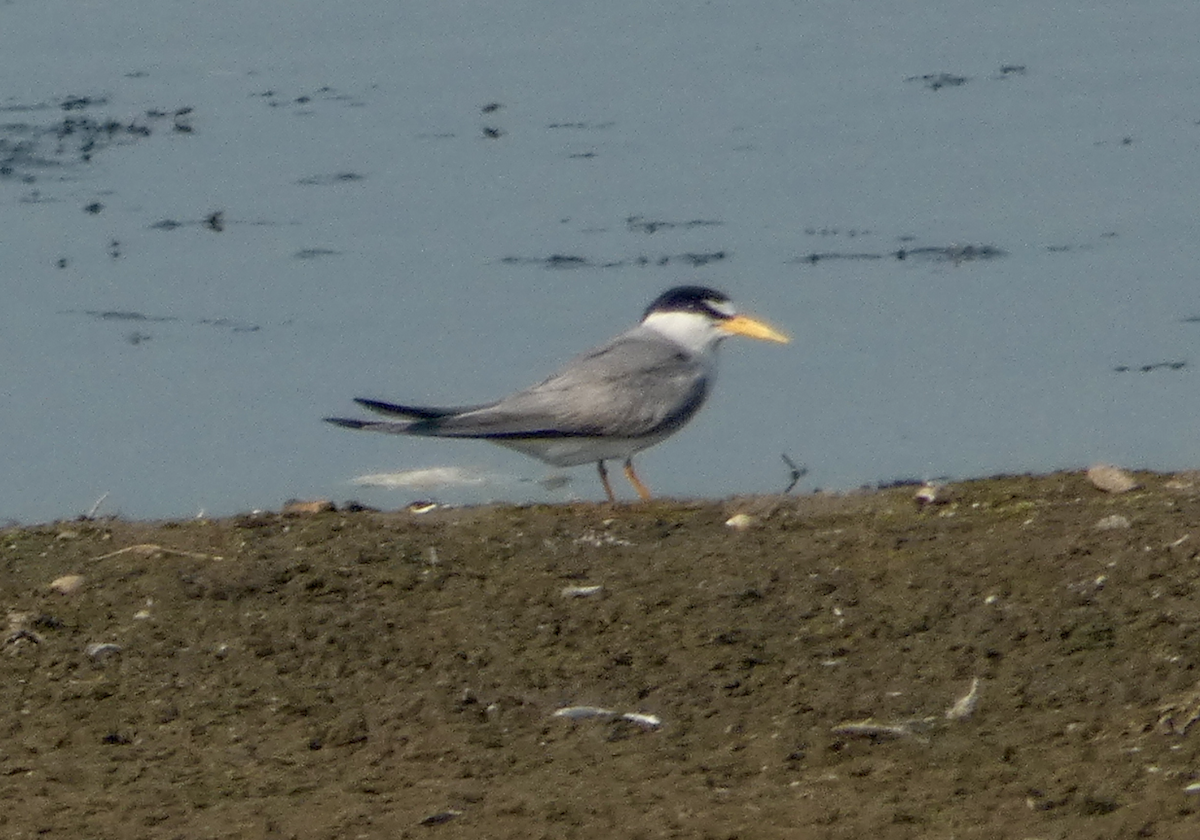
column 146, row 549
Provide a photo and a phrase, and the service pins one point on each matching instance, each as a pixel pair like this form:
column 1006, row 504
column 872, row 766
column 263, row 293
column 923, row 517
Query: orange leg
column 604, row 481
column 642, row 489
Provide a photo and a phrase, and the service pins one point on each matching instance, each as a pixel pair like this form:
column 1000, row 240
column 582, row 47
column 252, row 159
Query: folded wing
column 638, row 384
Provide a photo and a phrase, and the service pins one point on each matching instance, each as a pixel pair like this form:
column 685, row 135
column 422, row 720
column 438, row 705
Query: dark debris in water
column 953, row 253
column 937, row 81
column 121, row 315
column 26, row 147
column 229, row 324
column 214, row 221
column 335, row 178
column 956, row 254
column 136, row 337
column 315, row 253
column 640, row 224
column 837, row 231
column 1173, row 365
column 569, row 261
column 305, row 101
column 581, row 125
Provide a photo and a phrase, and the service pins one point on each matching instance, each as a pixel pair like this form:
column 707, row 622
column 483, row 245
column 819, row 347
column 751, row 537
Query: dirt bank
column 391, row 675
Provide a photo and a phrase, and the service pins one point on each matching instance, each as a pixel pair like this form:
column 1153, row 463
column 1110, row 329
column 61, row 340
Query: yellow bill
column 751, row 328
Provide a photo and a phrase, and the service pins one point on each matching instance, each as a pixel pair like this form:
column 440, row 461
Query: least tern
column 611, row 402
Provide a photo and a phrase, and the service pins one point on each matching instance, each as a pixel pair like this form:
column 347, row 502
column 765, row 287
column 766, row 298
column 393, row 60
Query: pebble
column 1113, row 523
column 1111, row 479
column 100, row 651
column 441, row 817
column 67, row 584
column 740, row 521
column 932, row 493
column 298, row 506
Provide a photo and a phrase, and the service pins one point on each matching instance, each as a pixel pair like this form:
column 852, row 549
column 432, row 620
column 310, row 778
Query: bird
column 609, row 403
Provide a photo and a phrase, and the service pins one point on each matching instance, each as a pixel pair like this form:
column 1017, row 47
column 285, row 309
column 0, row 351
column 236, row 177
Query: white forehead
column 722, row 307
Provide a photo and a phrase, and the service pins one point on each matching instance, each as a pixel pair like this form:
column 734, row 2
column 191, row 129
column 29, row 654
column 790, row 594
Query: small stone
column 67, row 584
column 441, row 817
column 740, row 521
column 1112, row 523
column 100, row 651
column 927, row 494
column 308, row 507
column 1111, row 479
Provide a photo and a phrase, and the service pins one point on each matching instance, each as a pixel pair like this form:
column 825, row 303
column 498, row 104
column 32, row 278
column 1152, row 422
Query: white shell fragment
column 964, row 706
column 67, row 584
column 581, row 591
column 593, row 712
column 1111, row 479
column 583, row 712
column 644, row 721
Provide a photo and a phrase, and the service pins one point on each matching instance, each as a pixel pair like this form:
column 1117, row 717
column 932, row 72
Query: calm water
column 442, row 204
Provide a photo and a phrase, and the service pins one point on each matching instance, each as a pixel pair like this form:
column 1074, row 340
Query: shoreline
column 1015, row 657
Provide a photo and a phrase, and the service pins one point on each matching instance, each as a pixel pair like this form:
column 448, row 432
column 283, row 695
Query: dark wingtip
column 345, row 422
column 408, row 412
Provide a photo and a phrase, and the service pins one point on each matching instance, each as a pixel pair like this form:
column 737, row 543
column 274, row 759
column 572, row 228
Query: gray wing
column 637, row 384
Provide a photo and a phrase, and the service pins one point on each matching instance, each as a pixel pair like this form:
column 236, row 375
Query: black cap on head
column 698, row 299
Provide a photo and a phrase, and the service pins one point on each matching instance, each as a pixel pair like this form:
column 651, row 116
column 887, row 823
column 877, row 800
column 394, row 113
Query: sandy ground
column 1019, row 661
